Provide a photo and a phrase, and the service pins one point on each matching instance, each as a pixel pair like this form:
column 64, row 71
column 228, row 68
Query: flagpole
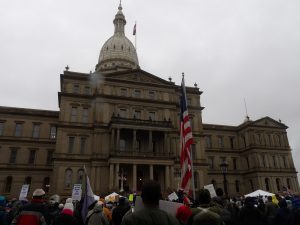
column 135, row 39
column 191, row 185
column 191, row 155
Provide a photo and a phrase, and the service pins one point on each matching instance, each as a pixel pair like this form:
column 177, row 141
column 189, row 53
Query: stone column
column 151, row 171
column 167, row 176
column 112, row 139
column 116, row 184
column 111, row 176
column 118, row 140
column 134, row 141
column 150, row 141
column 134, row 177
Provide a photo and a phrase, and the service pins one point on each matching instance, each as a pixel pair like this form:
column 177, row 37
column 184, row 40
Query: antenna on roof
column 247, row 116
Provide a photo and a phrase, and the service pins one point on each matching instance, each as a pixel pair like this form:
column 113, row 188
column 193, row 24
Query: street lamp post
column 224, row 168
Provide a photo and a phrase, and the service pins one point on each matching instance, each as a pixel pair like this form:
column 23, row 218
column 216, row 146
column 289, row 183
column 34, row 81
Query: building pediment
column 138, row 76
column 269, row 122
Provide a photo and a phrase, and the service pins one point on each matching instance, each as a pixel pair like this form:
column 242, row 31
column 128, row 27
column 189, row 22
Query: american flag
column 186, row 140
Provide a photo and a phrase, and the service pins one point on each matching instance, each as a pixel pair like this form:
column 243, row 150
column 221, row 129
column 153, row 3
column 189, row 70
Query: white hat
column 38, row 192
column 69, row 200
column 61, row 206
column 68, row 207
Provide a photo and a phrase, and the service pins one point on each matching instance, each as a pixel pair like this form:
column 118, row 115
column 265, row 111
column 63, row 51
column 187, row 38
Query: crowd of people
column 261, row 210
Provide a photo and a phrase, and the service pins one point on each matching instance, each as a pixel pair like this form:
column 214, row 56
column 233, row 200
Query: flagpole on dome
column 135, row 36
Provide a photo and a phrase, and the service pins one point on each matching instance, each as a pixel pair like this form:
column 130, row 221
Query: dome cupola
column 118, row 53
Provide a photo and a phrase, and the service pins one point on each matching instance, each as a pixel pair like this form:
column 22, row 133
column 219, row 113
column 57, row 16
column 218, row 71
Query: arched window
column 251, row 185
column 8, row 184
column 196, row 180
column 28, row 181
column 80, row 174
column 267, row 183
column 278, row 184
column 68, row 178
column 288, row 182
column 46, row 184
column 237, row 186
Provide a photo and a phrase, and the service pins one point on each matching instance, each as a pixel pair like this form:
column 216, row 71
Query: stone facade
column 122, row 124
column 128, row 121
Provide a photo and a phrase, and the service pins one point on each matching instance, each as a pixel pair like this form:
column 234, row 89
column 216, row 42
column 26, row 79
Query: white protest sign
column 173, row 196
column 169, row 207
column 76, row 193
column 211, row 189
column 24, row 191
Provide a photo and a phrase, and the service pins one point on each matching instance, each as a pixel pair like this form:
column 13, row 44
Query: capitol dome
column 118, row 52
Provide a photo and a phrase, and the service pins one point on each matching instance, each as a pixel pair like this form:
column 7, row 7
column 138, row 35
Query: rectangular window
column 52, row 132
column 208, row 142
column 49, row 157
column 1, row 128
column 73, row 114
column 274, row 161
column 231, row 139
column 137, row 114
column 258, row 139
column 87, row 90
column 76, row 89
column 122, row 145
column 123, row 92
column 193, row 151
column 151, row 115
column 71, row 144
column 36, row 131
column 210, row 162
column 18, row 130
column 234, row 163
column 123, row 113
column 151, row 94
column 264, row 161
column 137, row 93
column 189, row 101
column 85, row 115
column 82, row 145
column 220, row 142
column 31, row 156
column 13, row 156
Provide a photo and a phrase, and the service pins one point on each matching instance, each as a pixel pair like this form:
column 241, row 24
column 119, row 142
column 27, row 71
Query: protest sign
column 76, row 193
column 173, row 196
column 211, row 189
column 24, row 191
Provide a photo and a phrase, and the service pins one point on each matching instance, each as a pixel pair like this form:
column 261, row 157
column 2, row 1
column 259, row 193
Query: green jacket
column 149, row 216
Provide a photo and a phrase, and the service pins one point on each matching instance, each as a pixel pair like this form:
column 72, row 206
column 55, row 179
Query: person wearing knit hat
column 66, row 217
column 36, row 212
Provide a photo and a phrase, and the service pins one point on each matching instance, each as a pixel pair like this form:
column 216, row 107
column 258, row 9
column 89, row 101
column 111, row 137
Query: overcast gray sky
column 232, row 49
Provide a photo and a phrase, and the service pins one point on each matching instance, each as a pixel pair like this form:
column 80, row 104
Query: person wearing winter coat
column 3, row 215
column 34, row 213
column 249, row 214
column 150, row 214
column 67, row 216
column 283, row 213
column 96, row 216
column 118, row 213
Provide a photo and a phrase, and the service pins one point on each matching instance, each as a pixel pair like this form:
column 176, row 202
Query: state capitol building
column 122, row 120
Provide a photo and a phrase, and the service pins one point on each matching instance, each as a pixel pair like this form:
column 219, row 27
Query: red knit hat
column 183, row 213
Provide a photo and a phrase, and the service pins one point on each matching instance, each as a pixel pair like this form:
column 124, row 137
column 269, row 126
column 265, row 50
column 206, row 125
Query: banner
column 24, row 192
column 76, row 193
